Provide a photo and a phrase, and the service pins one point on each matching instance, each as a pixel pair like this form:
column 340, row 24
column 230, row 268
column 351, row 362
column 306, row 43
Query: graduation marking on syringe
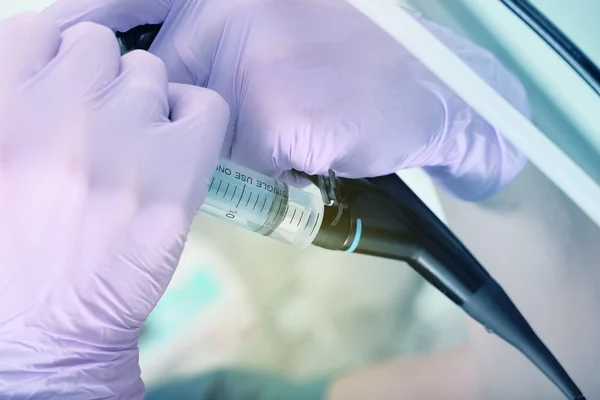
column 287, row 209
column 256, row 202
column 315, row 226
column 226, row 190
column 279, row 208
column 241, row 196
column 308, row 222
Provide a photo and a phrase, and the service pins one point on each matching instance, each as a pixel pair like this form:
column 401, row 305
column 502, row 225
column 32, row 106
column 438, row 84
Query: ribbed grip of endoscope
column 491, row 306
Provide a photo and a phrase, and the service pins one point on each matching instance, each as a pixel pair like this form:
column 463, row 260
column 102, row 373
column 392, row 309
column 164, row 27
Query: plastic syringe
column 263, row 205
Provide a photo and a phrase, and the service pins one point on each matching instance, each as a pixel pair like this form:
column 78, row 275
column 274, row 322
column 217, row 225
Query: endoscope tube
column 382, row 217
column 263, row 205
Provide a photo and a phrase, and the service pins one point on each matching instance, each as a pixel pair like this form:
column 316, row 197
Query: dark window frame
column 559, row 42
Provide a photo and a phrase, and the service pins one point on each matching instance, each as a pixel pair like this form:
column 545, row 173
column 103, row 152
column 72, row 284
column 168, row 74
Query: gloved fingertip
column 295, row 179
column 191, row 102
column 478, row 187
column 201, row 117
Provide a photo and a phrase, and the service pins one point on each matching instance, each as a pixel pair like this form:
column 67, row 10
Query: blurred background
column 241, row 299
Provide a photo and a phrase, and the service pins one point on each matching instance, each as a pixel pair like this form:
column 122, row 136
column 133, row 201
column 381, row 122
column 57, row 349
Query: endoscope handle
column 370, row 221
column 138, row 38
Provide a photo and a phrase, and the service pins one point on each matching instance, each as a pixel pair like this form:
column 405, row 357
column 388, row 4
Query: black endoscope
column 383, row 217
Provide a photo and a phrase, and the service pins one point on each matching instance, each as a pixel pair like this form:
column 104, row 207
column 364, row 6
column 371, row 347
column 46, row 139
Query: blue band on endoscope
column 356, row 236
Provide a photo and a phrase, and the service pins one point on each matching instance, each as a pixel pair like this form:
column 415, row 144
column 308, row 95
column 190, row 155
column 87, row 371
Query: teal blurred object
column 180, row 304
column 240, row 384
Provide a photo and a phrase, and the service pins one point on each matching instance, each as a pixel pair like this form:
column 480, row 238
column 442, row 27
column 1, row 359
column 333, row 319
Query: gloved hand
column 239, row 384
column 313, row 85
column 103, row 166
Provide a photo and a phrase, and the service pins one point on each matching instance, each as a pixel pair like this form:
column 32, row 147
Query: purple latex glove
column 313, row 85
column 103, row 165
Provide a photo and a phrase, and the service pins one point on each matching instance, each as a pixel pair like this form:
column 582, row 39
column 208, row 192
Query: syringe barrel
column 263, row 205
